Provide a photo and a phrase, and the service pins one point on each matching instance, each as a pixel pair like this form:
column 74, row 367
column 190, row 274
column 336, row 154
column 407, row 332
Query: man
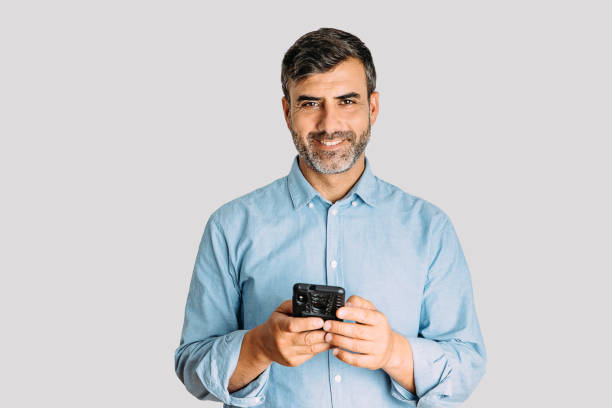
column 410, row 335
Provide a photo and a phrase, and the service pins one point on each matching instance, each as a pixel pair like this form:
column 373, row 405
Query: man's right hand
column 288, row 340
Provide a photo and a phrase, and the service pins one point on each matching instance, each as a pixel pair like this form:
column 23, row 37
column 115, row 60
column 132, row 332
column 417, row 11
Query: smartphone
column 317, row 300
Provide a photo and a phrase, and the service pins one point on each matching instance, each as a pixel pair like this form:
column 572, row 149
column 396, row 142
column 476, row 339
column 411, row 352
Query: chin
column 337, row 168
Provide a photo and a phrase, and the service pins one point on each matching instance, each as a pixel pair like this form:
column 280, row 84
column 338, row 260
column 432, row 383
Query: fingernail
column 335, row 352
column 340, row 312
column 327, row 325
column 328, row 337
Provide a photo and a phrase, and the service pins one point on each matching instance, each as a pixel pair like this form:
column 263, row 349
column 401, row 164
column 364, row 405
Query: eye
column 348, row 102
column 309, row 104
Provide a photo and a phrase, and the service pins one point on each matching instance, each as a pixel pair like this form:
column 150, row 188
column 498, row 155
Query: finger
column 357, row 314
column 312, row 349
column 354, row 345
column 357, row 360
column 309, row 338
column 301, row 324
column 354, row 330
column 358, row 301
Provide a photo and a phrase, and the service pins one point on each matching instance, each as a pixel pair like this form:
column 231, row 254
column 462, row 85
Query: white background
column 124, row 124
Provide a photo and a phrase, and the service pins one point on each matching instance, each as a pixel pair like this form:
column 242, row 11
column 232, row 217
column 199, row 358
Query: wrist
column 401, row 363
column 400, row 352
column 254, row 343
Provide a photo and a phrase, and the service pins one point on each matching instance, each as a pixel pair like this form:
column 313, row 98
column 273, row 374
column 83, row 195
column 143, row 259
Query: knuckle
column 284, row 355
column 343, row 342
column 279, row 342
column 321, row 347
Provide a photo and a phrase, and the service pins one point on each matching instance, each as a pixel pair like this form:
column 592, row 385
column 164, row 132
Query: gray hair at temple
column 321, row 50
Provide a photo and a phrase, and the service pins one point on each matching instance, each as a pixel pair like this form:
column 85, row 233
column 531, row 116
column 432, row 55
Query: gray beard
column 341, row 162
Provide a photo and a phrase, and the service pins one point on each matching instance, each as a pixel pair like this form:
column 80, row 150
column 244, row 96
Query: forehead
column 347, row 76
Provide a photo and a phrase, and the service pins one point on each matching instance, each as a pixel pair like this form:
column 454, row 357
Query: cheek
column 359, row 125
column 302, row 125
column 356, row 118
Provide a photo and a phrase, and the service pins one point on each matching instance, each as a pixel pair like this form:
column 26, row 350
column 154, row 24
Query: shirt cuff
column 217, row 367
column 403, row 394
column 431, row 368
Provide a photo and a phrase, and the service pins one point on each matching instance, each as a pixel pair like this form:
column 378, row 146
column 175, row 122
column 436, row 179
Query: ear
column 374, row 107
column 286, row 110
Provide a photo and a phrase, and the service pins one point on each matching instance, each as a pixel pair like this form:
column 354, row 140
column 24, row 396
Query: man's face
column 330, row 117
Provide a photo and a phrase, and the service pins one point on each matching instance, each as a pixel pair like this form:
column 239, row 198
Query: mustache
column 341, row 134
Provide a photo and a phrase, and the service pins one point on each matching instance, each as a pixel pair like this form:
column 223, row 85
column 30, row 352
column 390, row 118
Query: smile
column 329, row 143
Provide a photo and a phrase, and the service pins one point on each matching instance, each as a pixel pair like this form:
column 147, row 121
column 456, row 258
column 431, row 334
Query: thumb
column 286, row 307
column 357, row 301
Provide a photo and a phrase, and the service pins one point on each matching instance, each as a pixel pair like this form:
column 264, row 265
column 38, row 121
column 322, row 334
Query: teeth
column 331, row 143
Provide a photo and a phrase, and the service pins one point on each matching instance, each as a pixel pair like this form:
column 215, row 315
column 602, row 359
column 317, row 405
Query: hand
column 371, row 336
column 291, row 341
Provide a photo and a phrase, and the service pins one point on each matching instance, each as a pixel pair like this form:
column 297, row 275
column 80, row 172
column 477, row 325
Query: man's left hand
column 370, row 335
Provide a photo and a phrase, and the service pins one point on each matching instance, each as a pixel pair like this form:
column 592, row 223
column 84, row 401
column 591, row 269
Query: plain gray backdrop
column 125, row 124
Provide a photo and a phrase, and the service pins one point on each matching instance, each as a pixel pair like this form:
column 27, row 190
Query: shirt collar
column 302, row 192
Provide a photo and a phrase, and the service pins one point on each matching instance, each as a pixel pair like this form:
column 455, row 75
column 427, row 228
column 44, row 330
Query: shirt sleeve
column 449, row 353
column 212, row 337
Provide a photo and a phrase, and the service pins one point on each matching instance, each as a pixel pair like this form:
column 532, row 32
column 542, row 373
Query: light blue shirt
column 396, row 250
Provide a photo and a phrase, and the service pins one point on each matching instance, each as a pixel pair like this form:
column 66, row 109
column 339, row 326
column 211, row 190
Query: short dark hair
column 321, row 50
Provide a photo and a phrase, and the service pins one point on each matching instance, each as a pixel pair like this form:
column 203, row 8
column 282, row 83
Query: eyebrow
column 318, row 98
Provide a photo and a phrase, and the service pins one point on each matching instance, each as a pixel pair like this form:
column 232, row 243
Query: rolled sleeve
column 402, row 394
column 449, row 353
column 212, row 334
column 217, row 367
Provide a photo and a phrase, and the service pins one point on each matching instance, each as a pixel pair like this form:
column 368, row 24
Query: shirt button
column 354, row 203
column 334, row 211
column 338, row 378
column 334, row 263
column 310, row 205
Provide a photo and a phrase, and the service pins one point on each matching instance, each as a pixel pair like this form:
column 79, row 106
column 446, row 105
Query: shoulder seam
column 445, row 221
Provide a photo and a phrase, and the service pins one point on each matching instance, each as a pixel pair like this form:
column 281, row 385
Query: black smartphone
column 317, row 300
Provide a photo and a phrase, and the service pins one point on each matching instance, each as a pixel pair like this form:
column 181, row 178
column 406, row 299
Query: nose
column 329, row 120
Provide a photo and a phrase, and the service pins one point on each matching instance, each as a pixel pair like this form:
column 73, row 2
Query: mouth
column 329, row 144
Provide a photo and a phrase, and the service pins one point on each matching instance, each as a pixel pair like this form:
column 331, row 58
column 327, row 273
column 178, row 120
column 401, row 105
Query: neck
column 333, row 186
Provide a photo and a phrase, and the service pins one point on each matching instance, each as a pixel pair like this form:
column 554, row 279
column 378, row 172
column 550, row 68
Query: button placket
column 335, row 277
column 332, row 261
column 333, row 272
